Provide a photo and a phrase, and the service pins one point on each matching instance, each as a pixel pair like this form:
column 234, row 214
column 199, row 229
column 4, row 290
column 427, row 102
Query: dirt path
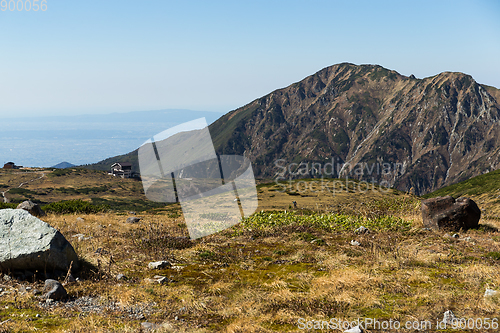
column 32, row 180
column 6, row 200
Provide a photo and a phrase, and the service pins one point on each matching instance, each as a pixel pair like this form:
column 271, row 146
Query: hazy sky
column 82, row 57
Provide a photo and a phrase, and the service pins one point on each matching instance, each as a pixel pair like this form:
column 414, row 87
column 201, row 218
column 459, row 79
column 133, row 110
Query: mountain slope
column 367, row 122
column 431, row 132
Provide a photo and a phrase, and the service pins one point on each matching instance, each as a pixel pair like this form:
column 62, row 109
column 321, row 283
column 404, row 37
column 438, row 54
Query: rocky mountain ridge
column 369, row 123
column 387, row 128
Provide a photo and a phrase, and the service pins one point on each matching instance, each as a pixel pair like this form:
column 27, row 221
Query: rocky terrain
column 398, row 131
column 430, row 132
column 355, row 253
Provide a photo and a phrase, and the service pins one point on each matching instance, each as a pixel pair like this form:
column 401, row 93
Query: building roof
column 123, row 164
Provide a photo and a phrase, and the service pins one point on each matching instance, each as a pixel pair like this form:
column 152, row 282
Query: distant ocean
column 47, row 141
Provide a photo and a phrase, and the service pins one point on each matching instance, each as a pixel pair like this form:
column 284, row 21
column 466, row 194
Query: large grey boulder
column 450, row 214
column 33, row 208
column 28, row 243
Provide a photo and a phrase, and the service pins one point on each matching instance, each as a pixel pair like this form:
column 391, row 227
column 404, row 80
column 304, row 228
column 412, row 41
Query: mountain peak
column 402, row 132
column 435, row 127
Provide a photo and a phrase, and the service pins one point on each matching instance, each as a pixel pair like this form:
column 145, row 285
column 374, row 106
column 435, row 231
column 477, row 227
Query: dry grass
column 243, row 280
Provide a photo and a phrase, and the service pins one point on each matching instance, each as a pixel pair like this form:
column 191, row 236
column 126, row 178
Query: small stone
column 120, row 277
column 448, row 317
column 159, row 264
column 362, row 230
column 80, row 237
column 149, row 326
column 161, row 279
column 80, row 219
column 37, row 315
column 490, row 293
column 54, row 290
column 455, row 236
column 7, row 277
column 355, row 243
column 49, row 300
column 356, row 329
column 33, row 208
column 132, row 213
column 133, row 219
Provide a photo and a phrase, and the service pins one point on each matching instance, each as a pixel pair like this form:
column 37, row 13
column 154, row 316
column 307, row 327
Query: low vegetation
column 279, row 267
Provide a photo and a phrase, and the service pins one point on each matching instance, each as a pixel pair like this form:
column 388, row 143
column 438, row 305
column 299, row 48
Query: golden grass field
column 267, row 274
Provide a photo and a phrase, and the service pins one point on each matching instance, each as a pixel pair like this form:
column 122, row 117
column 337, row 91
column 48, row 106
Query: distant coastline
column 85, row 139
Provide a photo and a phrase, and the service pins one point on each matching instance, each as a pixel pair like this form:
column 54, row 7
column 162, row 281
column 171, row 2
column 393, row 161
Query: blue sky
column 82, row 57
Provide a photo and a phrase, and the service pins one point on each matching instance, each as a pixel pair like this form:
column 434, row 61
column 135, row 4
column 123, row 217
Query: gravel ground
column 88, row 304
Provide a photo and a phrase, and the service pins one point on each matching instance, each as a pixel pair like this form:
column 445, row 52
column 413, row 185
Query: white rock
column 355, row 243
column 362, row 230
column 448, row 317
column 159, row 264
column 356, row 329
column 490, row 293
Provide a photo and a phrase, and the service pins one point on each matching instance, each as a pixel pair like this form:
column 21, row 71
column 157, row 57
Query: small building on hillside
column 11, row 165
column 121, row 169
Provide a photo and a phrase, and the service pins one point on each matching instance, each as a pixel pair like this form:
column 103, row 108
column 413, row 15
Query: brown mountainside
column 401, row 131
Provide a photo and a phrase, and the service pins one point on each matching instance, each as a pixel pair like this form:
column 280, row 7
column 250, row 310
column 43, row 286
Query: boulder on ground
column 159, row 264
column 133, row 219
column 446, row 213
column 33, row 208
column 28, row 243
column 54, row 290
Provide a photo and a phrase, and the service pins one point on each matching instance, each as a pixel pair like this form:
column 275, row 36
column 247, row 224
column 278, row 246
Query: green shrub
column 328, row 222
column 21, row 191
column 74, row 206
column 7, row 205
column 127, row 205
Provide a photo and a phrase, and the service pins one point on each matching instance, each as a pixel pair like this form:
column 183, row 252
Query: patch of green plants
column 487, row 183
column 328, row 222
column 83, row 190
column 206, row 254
column 494, row 255
column 22, row 191
column 128, row 205
column 74, row 206
column 7, row 205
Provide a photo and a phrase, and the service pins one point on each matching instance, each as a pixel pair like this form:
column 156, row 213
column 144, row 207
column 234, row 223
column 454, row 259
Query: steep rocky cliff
column 371, row 123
